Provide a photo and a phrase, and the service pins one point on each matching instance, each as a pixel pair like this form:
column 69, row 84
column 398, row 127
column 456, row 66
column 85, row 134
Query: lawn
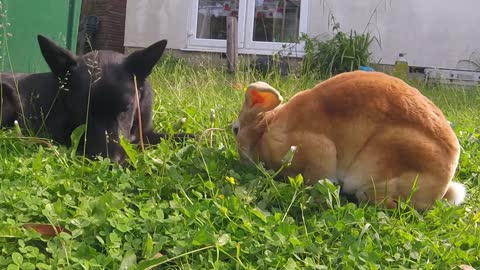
column 194, row 206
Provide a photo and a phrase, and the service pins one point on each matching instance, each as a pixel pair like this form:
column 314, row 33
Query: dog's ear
column 58, row 59
column 141, row 62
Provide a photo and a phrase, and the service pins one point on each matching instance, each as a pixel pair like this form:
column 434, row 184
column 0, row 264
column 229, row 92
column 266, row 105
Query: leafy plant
column 343, row 52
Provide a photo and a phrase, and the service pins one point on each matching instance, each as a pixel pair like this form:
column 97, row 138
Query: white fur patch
column 334, row 180
column 459, row 192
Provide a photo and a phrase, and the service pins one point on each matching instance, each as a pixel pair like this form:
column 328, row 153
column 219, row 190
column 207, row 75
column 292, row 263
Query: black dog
column 96, row 89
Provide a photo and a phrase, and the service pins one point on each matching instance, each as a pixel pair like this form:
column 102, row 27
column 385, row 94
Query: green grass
column 178, row 201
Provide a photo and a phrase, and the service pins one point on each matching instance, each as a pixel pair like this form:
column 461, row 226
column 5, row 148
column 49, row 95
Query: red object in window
column 227, row 7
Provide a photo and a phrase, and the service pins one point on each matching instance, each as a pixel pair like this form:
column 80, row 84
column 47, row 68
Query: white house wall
column 433, row 33
column 148, row 21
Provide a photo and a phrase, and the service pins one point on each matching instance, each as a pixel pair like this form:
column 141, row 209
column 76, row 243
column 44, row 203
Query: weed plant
column 193, row 205
column 341, row 53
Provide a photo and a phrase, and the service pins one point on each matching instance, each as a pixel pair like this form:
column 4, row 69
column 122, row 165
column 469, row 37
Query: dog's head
column 99, row 91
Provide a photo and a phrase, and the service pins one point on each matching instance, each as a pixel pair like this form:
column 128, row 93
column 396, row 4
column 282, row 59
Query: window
column 276, row 21
column 264, row 26
column 212, row 18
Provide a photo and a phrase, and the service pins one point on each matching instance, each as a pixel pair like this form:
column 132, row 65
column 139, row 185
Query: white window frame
column 245, row 37
column 263, row 47
column 195, row 43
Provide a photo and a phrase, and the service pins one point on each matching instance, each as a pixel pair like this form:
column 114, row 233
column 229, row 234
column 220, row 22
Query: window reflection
column 276, row 20
column 212, row 18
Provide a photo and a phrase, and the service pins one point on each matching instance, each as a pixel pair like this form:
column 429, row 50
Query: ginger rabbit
column 373, row 134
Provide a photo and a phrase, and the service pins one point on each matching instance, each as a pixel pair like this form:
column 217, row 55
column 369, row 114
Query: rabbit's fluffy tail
column 456, row 193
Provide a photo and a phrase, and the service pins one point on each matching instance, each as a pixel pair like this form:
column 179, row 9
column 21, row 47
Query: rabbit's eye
column 235, row 128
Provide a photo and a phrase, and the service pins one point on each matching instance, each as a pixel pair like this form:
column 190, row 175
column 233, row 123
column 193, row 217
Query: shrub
column 343, row 52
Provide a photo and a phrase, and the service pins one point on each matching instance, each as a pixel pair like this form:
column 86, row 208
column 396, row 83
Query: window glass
column 212, row 18
column 276, row 20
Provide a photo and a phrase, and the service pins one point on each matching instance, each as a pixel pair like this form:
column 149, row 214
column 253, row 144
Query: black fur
column 97, row 88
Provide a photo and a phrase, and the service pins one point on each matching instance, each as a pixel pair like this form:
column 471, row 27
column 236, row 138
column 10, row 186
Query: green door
column 21, row 22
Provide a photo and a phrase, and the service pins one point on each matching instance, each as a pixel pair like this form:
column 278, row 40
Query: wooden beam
column 232, row 43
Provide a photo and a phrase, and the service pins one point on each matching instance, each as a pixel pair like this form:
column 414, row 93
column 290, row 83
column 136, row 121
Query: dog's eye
column 125, row 108
column 235, row 130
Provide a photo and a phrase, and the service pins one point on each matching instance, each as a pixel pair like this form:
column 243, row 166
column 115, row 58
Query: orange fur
column 372, row 133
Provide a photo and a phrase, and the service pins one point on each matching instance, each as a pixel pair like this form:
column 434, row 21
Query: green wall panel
column 22, row 20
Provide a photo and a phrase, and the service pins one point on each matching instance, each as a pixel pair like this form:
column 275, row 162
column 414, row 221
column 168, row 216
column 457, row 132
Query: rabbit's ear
column 262, row 96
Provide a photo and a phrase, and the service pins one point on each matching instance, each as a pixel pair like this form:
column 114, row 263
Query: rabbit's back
column 360, row 103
